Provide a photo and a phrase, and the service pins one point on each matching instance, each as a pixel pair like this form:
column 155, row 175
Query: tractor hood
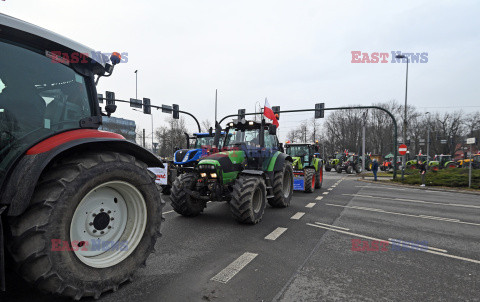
column 228, row 161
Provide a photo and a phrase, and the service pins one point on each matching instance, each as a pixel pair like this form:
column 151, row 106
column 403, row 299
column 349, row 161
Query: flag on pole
column 268, row 112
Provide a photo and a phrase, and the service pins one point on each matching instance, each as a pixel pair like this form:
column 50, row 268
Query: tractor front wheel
column 358, row 168
column 93, row 220
column 309, row 180
column 349, row 170
column 183, row 203
column 318, row 179
column 249, row 198
column 328, row 168
column 282, row 187
column 338, row 168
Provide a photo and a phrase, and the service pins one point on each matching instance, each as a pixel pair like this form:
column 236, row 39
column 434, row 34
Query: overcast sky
column 295, row 53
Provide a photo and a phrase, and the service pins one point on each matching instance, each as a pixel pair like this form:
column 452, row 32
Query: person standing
column 375, row 169
column 423, row 171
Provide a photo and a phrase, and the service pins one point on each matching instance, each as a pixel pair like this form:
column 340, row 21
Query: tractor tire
column 318, row 179
column 358, row 168
column 249, row 199
column 338, row 168
column 328, row 168
column 349, row 170
column 182, row 203
column 309, row 180
column 49, row 242
column 451, row 165
column 382, row 168
column 282, row 187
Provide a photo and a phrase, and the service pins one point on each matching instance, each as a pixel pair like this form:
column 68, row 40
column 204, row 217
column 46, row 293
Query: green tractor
column 308, row 172
column 334, row 161
column 252, row 171
column 413, row 164
column 441, row 162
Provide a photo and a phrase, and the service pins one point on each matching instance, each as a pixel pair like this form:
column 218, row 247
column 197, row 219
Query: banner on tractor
column 298, row 182
column 161, row 173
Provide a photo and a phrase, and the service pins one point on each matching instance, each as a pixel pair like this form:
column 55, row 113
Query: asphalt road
column 310, row 258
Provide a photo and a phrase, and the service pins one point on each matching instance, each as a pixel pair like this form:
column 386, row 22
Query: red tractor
column 79, row 209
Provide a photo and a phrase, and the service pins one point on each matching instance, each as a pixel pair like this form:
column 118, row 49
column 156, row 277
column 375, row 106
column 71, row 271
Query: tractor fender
column 20, row 185
column 280, row 161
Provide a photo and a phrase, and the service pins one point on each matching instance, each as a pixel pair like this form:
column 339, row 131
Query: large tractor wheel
column 249, row 199
column 282, row 187
column 309, row 180
column 349, row 170
column 183, row 203
column 318, row 179
column 358, row 168
column 328, row 168
column 93, row 220
column 451, row 165
column 338, row 168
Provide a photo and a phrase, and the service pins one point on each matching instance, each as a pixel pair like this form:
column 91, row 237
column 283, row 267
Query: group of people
column 421, row 165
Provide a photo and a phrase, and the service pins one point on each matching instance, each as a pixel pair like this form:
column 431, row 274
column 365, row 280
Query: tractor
column 252, row 171
column 307, row 167
column 465, row 163
column 189, row 157
column 351, row 164
column 413, row 164
column 334, row 161
column 79, row 210
column 441, row 162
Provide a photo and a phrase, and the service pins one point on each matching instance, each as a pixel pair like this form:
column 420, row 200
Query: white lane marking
column 233, row 268
column 333, row 226
column 276, row 233
column 325, row 193
column 298, row 215
column 373, row 238
column 403, row 214
column 310, row 205
column 415, row 245
column 417, row 201
column 330, row 189
column 319, row 198
column 168, row 212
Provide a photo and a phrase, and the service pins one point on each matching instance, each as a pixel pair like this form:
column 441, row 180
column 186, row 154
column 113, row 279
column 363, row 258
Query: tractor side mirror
column 280, row 147
column 110, row 109
column 272, row 130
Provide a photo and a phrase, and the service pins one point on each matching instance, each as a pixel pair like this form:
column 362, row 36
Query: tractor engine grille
column 179, row 155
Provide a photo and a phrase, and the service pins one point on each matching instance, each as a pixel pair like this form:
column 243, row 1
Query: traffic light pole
column 395, row 128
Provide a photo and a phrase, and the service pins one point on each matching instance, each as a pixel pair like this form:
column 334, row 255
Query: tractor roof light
column 250, row 123
column 231, row 124
column 115, row 58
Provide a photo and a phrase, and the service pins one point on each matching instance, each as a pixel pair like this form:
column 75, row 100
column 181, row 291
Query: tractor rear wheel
column 338, row 168
column 451, row 165
column 282, row 187
column 249, row 199
column 358, row 168
column 183, row 203
column 93, row 220
column 349, row 170
column 309, row 180
column 328, row 168
column 319, row 179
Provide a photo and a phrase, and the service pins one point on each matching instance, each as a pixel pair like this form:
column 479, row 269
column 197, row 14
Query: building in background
column 120, row 126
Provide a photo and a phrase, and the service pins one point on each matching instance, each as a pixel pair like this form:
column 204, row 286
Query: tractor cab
column 257, row 140
column 442, row 161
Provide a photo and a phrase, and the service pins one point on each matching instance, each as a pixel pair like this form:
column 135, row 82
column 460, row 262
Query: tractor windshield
column 299, row 151
column 203, row 142
column 239, row 137
column 38, row 98
column 339, row 156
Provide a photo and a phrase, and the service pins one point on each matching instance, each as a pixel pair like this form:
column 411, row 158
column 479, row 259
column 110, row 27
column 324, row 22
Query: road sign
column 471, row 141
column 402, row 149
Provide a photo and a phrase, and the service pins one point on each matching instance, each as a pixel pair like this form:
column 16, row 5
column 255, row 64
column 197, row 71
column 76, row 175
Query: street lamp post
column 405, row 115
column 136, row 97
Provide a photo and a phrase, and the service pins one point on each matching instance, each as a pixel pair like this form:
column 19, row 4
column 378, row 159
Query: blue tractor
column 203, row 146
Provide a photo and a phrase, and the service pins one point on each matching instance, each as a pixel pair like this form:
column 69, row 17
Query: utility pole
column 404, row 158
column 143, row 137
column 428, row 137
column 215, row 106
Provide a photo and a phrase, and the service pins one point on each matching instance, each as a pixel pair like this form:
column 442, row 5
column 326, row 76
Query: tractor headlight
column 203, row 175
column 213, row 175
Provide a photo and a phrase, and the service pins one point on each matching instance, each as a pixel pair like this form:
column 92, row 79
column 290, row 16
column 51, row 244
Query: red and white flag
column 268, row 112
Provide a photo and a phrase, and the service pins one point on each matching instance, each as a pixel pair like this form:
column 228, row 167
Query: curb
column 440, row 189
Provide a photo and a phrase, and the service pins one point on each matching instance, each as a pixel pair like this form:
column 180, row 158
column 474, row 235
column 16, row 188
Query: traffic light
column 110, row 96
column 319, row 112
column 147, row 109
column 276, row 111
column 241, row 114
column 176, row 111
